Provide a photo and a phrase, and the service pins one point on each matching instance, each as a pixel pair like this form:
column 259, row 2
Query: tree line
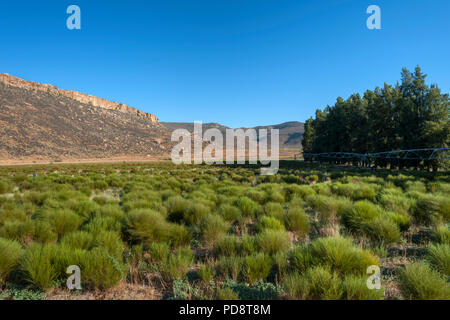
column 407, row 115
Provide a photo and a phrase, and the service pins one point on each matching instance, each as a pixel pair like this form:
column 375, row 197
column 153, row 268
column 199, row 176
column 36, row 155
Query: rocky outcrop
column 78, row 96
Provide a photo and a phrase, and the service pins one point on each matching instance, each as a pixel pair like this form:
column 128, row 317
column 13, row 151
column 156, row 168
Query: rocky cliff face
column 42, row 122
column 80, row 97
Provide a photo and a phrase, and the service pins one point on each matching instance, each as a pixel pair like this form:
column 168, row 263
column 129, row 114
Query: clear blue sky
column 237, row 62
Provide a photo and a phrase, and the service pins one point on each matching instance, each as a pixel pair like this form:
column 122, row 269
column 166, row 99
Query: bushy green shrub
column 158, row 251
column 419, row 282
column 100, row 270
column 230, row 267
column 78, row 240
column 206, row 273
column 212, row 228
column 226, row 294
column 439, row 258
column 323, row 284
column 37, row 263
column 247, row 206
column 270, row 223
column 296, row 286
column 403, row 221
column 195, row 213
column 257, row 267
column 274, row 209
column 146, row 225
column 227, row 246
column 381, row 230
column 177, row 207
column 10, row 253
column 63, row 221
column 229, row 212
column 354, row 191
column 177, row 264
column 178, row 235
column 366, row 219
column 428, row 209
column 5, row 186
column 355, row 288
column 297, row 221
column 339, row 254
column 441, row 234
column 273, row 241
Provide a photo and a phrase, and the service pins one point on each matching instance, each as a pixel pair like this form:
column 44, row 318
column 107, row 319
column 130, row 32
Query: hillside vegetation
column 160, row 231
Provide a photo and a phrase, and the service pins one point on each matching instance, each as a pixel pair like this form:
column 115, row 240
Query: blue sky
column 236, row 62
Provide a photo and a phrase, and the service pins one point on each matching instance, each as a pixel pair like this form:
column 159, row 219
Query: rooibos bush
column 439, row 258
column 212, row 228
column 355, row 288
column 177, row 264
column 273, row 241
column 419, row 282
column 257, row 267
column 37, row 263
column 10, row 253
column 297, row 221
column 100, row 270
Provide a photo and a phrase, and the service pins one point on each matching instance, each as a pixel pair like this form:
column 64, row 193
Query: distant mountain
column 291, row 133
column 40, row 121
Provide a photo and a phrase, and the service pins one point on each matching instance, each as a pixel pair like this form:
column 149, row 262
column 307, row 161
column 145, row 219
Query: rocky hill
column 291, row 133
column 43, row 122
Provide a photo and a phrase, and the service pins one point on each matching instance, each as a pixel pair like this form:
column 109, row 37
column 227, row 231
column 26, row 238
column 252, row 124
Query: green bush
column 247, row 206
column 146, row 225
column 355, row 217
column 10, row 253
column 206, row 273
column 177, row 207
column 275, row 210
column 441, row 234
column 355, row 288
column 297, row 221
column 339, row 254
column 419, row 282
column 78, row 240
column 382, row 230
column 273, row 241
column 323, row 285
column 5, row 186
column 177, row 264
column 37, row 263
column 212, row 228
column 22, row 231
column 229, row 212
column 257, row 267
column 296, row 286
column 270, row 223
column 195, row 213
column 158, row 251
column 230, row 267
column 226, row 294
column 63, row 221
column 428, row 210
column 100, row 270
column 439, row 258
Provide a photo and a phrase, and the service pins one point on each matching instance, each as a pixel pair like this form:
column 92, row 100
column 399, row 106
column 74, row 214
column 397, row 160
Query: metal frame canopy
column 412, row 154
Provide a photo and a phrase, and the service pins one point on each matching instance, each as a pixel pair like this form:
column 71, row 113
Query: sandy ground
column 284, row 154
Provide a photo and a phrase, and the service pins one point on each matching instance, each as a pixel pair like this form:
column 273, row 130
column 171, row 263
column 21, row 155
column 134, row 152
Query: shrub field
column 160, row 231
